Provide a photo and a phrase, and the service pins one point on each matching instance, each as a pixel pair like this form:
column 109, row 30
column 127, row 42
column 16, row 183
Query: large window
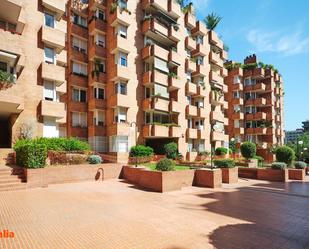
column 79, row 44
column 79, row 95
column 122, row 30
column 99, row 93
column 100, row 40
column 99, row 118
column 79, row 68
column 120, row 115
column 100, row 14
column 49, row 91
column 121, row 88
column 79, row 20
column 123, row 59
column 79, row 119
column 49, row 20
column 119, row 144
column 49, row 55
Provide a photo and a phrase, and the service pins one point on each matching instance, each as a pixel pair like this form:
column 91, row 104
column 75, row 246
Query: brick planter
column 307, row 170
column 230, row 175
column 158, row 181
column 274, row 175
column 250, row 173
column 208, row 178
column 297, row 174
column 70, row 173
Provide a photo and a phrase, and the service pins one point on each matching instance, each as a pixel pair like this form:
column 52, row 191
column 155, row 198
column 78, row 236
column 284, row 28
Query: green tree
column 212, row 20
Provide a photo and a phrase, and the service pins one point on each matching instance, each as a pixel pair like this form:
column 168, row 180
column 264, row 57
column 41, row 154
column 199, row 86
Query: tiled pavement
column 113, row 214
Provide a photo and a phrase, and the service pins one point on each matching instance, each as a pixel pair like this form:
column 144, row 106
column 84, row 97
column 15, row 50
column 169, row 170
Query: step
column 13, row 188
column 11, row 179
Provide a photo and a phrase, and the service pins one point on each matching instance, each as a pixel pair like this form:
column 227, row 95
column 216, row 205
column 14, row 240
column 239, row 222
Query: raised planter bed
column 230, row 175
column 274, row 175
column 208, row 178
column 297, row 174
column 158, row 181
column 251, row 163
column 250, row 173
column 70, row 173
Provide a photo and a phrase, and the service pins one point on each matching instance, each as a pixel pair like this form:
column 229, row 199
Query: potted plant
column 248, row 151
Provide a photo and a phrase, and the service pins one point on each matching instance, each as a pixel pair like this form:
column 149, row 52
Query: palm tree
column 212, row 21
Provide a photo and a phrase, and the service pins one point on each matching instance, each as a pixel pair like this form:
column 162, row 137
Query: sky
column 277, row 31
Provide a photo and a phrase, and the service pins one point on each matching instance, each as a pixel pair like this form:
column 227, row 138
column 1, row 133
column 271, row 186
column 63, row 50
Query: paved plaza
column 114, row 214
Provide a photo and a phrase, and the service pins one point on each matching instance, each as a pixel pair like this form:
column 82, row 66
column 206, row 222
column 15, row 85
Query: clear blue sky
column 277, row 31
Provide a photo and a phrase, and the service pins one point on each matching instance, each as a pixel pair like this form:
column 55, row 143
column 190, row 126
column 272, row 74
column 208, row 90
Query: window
column 80, row 69
column 79, row 119
column 237, row 79
column 49, row 55
column 189, row 76
column 79, row 44
column 250, row 95
column 101, row 66
column 120, row 115
column 161, row 65
column 121, row 88
column 250, row 109
column 161, row 90
column 79, row 20
column 236, row 123
column 79, row 95
column 236, row 94
column 99, row 93
column 49, row 91
column 122, row 30
column 237, row 108
column 160, row 118
column 200, row 60
column 199, row 39
column 99, row 118
column 249, row 82
column 123, row 59
column 100, row 14
column 122, row 4
column 49, row 20
column 100, row 40
column 119, row 144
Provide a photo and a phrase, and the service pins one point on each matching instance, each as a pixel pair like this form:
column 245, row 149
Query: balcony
column 174, row 9
column 118, row 100
column 52, row 109
column 215, row 77
column 120, row 17
column 175, row 106
column 259, row 131
column 79, row 6
column 190, row 43
column 190, row 20
column 202, row 113
column 97, row 78
column 81, row 81
column 259, row 87
column 256, row 116
column 201, row 134
column 174, row 58
column 215, row 59
column 239, row 131
column 214, row 39
column 62, row 58
column 158, row 4
column 190, row 65
column 95, row 4
column 216, row 98
column 119, row 129
column 218, row 116
column 174, row 34
column 80, row 31
column 13, row 11
column 53, row 72
column 97, row 26
column 174, row 83
column 201, row 50
column 201, row 70
column 237, row 116
column 201, row 91
column 277, row 132
column 278, row 118
column 224, row 55
column 62, row 89
column 155, row 50
column 155, row 76
column 237, row 87
column 97, row 104
column 96, row 51
column 175, row 131
column 155, row 30
column 53, row 37
column 256, row 102
column 155, row 131
column 120, row 44
column 191, row 110
column 191, row 88
column 119, row 72
column 191, row 133
column 11, row 103
column 218, row 136
column 156, row 103
column 237, row 101
column 200, row 29
column 57, row 6
column 224, row 72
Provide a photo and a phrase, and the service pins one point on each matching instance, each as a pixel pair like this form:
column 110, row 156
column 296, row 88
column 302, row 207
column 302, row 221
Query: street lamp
column 233, row 140
column 212, row 148
column 131, row 125
column 299, row 142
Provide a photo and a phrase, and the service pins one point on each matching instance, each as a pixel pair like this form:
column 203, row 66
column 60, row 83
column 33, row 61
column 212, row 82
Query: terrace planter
column 208, row 178
column 274, row 175
column 297, row 174
column 131, row 174
column 250, row 173
column 230, row 175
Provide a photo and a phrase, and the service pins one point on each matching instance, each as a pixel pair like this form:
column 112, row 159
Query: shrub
column 285, row 154
column 76, row 158
column 94, row 159
column 31, row 155
column 248, row 150
column 260, row 160
column 165, row 164
column 221, row 151
column 141, row 151
column 171, row 150
column 278, row 165
column 300, row 165
column 224, row 163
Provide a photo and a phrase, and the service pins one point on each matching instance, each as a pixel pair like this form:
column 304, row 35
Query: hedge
column 171, row 150
column 31, row 155
column 141, row 151
column 221, row 151
column 165, row 164
column 284, row 154
column 224, row 163
column 248, row 150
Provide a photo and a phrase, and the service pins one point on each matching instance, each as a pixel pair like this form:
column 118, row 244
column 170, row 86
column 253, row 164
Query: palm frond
column 212, row 20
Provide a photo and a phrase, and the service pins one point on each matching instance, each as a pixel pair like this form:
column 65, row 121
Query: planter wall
column 273, row 175
column 297, row 174
column 230, row 175
column 131, row 173
column 250, row 173
column 70, row 173
column 208, row 178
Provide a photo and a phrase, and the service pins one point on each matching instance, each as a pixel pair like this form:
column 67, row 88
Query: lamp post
column 131, row 125
column 212, row 148
column 233, row 140
column 299, row 142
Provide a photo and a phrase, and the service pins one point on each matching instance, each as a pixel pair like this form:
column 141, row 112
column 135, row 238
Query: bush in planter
column 284, row 154
column 278, row 165
column 165, row 164
column 224, row 163
column 221, row 151
column 31, row 155
column 248, row 150
column 171, row 150
column 141, row 151
column 260, row 160
column 300, row 165
column 95, row 159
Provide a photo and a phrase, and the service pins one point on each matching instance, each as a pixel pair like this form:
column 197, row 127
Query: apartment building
column 255, row 110
column 32, row 67
column 144, row 69
column 292, row 136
